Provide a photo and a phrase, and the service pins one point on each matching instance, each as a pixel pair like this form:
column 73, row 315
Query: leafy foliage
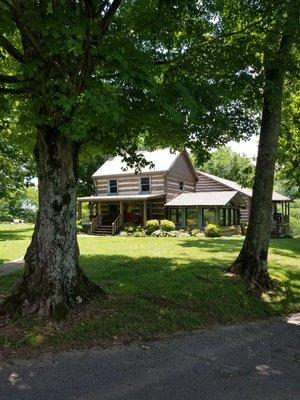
column 212, row 230
column 21, row 205
column 118, row 71
column 230, row 165
column 288, row 155
column 152, row 225
column 166, row 225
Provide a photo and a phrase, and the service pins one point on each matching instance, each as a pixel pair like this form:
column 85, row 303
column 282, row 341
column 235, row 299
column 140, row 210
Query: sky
column 249, row 147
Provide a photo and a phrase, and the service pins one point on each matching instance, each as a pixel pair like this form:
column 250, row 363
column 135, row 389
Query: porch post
column 217, row 216
column 144, row 212
column 121, row 211
column 79, row 210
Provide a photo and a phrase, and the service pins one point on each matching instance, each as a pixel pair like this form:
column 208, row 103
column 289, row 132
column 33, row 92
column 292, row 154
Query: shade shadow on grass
column 214, row 245
column 149, row 296
column 19, row 234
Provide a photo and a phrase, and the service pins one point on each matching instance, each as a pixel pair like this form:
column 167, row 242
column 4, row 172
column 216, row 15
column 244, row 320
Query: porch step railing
column 96, row 222
column 117, row 224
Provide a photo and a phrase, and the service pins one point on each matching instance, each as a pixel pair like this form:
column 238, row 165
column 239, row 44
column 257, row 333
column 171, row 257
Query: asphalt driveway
column 259, row 360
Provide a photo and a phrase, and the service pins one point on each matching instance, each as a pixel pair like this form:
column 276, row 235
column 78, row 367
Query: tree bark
column 53, row 281
column 252, row 262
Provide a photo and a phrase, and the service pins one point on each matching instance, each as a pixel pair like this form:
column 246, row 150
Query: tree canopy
column 230, row 165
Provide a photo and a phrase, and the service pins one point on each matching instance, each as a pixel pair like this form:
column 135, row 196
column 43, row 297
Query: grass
column 156, row 286
column 14, row 239
column 295, row 217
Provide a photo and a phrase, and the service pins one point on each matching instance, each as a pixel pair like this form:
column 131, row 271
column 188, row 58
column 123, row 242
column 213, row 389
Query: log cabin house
column 170, row 187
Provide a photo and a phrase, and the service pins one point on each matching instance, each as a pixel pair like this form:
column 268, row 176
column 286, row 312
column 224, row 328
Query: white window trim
column 141, row 177
column 108, row 187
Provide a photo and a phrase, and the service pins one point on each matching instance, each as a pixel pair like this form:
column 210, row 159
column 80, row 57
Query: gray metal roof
column 121, row 197
column 205, row 199
column 162, row 160
column 239, row 188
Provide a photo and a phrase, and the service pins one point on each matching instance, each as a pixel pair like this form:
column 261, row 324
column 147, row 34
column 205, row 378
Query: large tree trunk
column 252, row 261
column 53, row 281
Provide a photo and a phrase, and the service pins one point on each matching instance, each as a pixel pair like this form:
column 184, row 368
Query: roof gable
column 235, row 186
column 162, row 159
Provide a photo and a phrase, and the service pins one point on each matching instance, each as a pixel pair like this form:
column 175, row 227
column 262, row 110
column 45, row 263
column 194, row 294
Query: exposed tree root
column 254, row 272
column 50, row 304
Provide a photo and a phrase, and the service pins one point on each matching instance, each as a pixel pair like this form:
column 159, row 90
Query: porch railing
column 117, row 224
column 97, row 221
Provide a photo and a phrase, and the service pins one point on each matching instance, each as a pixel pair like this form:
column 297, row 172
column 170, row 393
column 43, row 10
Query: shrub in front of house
column 139, row 234
column 128, row 229
column 183, row 234
column 195, row 232
column 166, row 225
column 158, row 233
column 123, row 234
column 212, row 230
column 172, row 233
column 151, row 226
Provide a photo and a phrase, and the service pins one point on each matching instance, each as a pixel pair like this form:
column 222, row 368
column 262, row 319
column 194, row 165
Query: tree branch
column 109, row 15
column 11, row 50
column 12, row 79
column 14, row 91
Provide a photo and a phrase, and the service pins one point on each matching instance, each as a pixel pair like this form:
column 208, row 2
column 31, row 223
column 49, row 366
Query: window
column 113, row 186
column 181, row 186
column 175, row 215
column 145, row 185
column 209, row 216
column 191, row 217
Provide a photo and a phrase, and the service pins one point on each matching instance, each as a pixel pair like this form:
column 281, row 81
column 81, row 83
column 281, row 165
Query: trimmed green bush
column 194, row 232
column 166, row 225
column 212, row 230
column 151, row 226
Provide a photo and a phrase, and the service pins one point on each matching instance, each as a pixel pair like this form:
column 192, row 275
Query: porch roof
column 117, row 197
column 206, row 199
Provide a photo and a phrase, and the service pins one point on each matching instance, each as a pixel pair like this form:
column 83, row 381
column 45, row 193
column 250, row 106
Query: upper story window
column 113, row 186
column 181, row 186
column 145, row 185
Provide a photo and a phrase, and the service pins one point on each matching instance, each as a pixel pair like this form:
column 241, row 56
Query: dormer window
column 181, row 186
column 145, row 185
column 113, row 186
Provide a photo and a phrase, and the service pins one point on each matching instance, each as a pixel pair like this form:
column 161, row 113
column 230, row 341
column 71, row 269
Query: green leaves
column 230, row 165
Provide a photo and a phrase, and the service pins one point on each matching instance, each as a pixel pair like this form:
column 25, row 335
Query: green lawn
column 295, row 217
column 14, row 240
column 155, row 286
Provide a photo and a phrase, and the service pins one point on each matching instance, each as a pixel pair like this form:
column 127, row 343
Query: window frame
column 187, row 217
column 178, row 216
column 141, row 185
column 210, row 209
column 117, row 186
column 179, row 185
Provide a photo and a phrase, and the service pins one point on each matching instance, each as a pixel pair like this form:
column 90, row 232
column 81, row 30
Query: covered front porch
column 108, row 214
column 280, row 218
